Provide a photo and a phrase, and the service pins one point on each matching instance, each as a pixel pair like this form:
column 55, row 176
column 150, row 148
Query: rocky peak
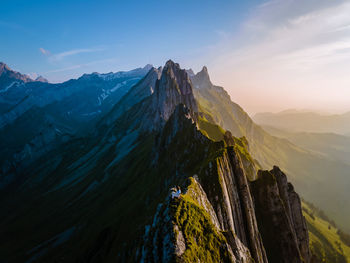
column 190, row 72
column 202, row 79
column 173, row 88
column 41, row 79
column 7, row 74
column 143, row 89
column 3, row 67
column 148, row 67
column 204, row 71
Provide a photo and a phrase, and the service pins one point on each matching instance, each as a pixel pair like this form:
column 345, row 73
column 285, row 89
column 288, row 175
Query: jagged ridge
column 129, row 167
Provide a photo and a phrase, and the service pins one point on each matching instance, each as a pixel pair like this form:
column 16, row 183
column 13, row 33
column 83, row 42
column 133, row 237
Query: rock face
column 232, row 201
column 201, row 79
column 137, row 93
column 173, row 87
column 221, row 190
column 7, row 76
column 41, row 79
column 280, row 218
column 181, row 221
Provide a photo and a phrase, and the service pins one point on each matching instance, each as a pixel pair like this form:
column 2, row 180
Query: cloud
column 295, row 49
column 62, row 55
column 44, row 51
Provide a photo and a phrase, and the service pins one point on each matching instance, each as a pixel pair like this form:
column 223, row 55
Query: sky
column 269, row 55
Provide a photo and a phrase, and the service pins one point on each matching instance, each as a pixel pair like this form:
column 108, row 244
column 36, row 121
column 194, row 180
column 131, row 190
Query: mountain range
column 330, row 145
column 153, row 165
column 306, row 121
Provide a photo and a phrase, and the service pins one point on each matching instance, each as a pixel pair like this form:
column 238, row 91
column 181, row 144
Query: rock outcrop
column 41, row 79
column 186, row 229
column 7, row 76
column 281, row 223
column 173, row 88
column 249, row 221
column 143, row 89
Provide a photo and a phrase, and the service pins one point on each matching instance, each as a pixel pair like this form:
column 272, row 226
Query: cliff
column 281, row 223
column 221, row 216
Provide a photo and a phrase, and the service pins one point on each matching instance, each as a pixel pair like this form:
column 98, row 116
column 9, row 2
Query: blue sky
column 269, row 55
column 63, row 39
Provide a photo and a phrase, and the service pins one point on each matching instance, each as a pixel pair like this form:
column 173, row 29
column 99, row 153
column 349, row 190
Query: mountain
column 319, row 179
column 9, row 77
column 41, row 79
column 327, row 244
column 37, row 117
column 331, row 145
column 155, row 180
column 306, row 121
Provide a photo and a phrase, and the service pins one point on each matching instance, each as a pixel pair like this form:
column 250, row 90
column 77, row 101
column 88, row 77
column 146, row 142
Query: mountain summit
column 41, row 79
column 173, row 87
column 9, row 76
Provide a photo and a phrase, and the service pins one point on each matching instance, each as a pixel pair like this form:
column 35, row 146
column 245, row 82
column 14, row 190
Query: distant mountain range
column 154, row 165
column 331, row 145
column 36, row 117
column 306, row 121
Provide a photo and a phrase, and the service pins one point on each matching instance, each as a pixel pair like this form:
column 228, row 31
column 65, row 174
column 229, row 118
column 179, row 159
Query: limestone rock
column 280, row 219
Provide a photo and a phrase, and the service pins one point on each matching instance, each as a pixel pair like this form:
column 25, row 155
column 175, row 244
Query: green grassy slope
column 203, row 240
column 330, row 145
column 317, row 178
column 325, row 243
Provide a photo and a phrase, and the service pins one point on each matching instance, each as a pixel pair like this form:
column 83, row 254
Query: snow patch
column 8, row 87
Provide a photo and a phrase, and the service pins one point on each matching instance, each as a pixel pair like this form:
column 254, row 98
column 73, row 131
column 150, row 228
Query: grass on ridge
column 324, row 240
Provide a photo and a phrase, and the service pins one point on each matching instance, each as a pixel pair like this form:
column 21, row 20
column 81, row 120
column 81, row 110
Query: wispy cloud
column 65, row 54
column 44, row 51
column 299, row 49
column 58, row 57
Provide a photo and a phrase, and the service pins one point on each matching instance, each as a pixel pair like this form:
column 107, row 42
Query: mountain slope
column 39, row 116
column 10, row 78
column 320, row 180
column 105, row 197
column 330, row 145
column 325, row 243
column 306, row 121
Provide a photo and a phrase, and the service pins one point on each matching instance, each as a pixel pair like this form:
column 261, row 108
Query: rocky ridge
column 130, row 164
column 220, row 194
